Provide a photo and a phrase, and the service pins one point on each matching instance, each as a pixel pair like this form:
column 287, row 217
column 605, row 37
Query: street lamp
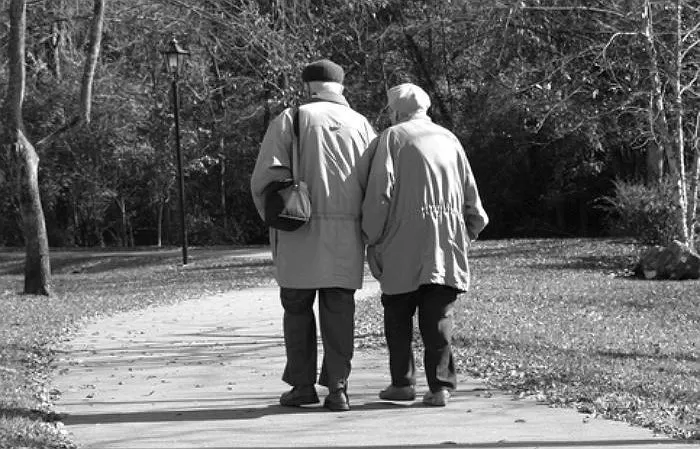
column 174, row 61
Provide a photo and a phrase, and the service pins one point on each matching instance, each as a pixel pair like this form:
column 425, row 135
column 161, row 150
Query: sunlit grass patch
column 563, row 321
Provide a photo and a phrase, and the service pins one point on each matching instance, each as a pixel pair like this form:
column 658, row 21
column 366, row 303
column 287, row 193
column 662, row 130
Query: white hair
column 316, row 87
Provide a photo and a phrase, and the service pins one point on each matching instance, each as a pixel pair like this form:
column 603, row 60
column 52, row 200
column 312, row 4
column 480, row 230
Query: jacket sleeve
column 273, row 160
column 474, row 214
column 380, row 186
column 367, row 156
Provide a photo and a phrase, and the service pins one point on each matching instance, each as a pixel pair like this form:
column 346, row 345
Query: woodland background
column 580, row 118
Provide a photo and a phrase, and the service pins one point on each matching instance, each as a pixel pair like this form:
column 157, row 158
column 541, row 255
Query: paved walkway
column 206, row 373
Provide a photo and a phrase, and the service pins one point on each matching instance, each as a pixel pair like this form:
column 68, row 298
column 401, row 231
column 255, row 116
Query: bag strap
column 295, row 145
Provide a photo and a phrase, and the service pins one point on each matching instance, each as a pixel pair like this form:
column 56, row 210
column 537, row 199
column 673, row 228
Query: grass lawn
column 564, row 321
column 559, row 319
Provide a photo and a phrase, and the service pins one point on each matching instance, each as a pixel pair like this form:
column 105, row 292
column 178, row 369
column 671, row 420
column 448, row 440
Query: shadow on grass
column 495, row 344
column 96, row 261
column 34, row 415
column 79, row 264
column 577, row 253
column 635, row 355
column 98, row 264
column 249, row 263
column 516, row 250
column 591, row 263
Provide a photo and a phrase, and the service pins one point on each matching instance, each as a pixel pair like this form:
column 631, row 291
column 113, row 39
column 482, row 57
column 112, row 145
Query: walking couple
column 408, row 196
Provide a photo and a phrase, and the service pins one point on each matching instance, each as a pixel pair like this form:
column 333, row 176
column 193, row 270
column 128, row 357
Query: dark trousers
column 336, row 307
column 435, row 304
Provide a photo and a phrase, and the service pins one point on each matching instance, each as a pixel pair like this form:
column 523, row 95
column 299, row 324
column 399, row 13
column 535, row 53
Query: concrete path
column 206, row 374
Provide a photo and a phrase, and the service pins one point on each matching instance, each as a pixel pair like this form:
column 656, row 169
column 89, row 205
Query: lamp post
column 174, row 61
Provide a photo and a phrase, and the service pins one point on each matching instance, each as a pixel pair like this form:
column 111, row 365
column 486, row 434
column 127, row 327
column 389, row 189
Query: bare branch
column 572, row 8
column 690, row 47
column 613, row 37
column 691, row 83
column 555, row 107
column 505, row 31
column 58, row 131
column 690, row 32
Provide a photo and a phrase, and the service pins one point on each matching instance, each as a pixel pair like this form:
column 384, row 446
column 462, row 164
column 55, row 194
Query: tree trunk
column 159, row 223
column 91, row 61
column 656, row 114
column 222, row 187
column 583, row 217
column 78, row 233
column 670, row 139
column 37, row 268
column 678, row 159
column 131, row 233
column 694, row 182
column 124, row 232
column 54, row 49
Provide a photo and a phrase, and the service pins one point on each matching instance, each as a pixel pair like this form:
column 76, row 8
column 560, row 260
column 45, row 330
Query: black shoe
column 337, row 401
column 298, row 396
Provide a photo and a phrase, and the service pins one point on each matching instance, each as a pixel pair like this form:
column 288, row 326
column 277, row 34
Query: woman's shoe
column 337, row 401
column 436, row 399
column 394, row 393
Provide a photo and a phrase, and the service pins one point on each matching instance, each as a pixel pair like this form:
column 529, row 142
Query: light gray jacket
column 421, row 209
column 334, row 162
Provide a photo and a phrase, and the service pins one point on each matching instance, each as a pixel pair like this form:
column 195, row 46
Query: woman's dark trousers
column 435, row 304
column 336, row 308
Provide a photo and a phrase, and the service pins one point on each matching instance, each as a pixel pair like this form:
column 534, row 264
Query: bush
column 646, row 213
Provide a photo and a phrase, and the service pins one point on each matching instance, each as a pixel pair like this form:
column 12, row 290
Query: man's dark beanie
column 323, row 70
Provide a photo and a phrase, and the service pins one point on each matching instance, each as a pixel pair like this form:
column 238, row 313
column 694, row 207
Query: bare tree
column 23, row 154
column 643, row 54
column 37, row 269
column 667, row 109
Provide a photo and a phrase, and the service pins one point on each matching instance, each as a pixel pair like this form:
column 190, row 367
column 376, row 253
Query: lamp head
column 175, row 57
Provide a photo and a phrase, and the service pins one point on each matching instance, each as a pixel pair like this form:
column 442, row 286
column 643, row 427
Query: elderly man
column 325, row 255
column 421, row 210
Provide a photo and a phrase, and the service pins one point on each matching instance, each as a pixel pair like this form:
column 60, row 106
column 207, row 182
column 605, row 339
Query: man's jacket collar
column 329, row 96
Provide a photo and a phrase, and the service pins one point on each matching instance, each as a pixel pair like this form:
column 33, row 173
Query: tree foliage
column 554, row 100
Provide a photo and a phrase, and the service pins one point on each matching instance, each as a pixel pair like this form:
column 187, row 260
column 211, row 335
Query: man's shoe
column 436, row 399
column 298, row 396
column 394, row 393
column 337, row 401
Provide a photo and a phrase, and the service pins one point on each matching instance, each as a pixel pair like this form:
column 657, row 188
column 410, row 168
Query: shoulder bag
column 287, row 202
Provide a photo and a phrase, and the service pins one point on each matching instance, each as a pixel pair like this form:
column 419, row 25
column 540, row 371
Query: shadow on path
column 490, row 445
column 215, row 414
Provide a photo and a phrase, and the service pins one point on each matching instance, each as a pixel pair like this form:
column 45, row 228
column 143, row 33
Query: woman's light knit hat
column 407, row 98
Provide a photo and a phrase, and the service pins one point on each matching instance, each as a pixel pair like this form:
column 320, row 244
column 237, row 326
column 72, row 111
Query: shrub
column 646, row 213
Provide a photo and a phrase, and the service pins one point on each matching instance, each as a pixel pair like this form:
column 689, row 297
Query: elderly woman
column 420, row 212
